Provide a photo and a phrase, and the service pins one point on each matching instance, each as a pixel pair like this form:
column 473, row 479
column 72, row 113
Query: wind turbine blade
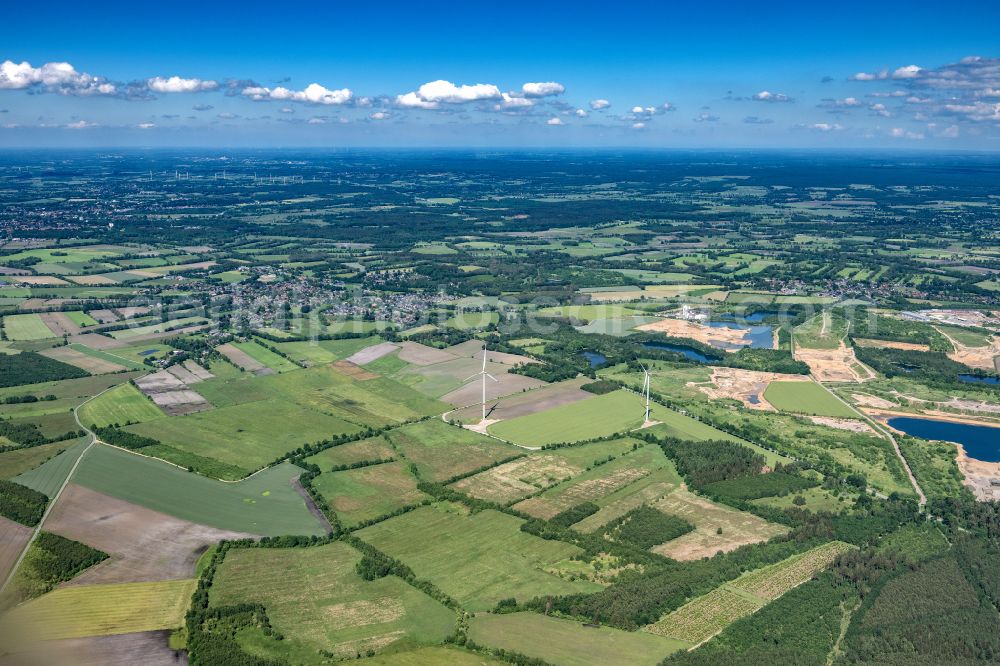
column 472, row 377
column 492, row 377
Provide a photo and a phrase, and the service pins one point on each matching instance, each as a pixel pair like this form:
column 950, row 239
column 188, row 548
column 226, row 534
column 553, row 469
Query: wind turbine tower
column 484, row 376
column 645, row 389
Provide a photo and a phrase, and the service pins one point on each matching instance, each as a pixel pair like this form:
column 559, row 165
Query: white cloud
column 638, row 126
column 598, row 104
column 988, row 92
column 581, row 113
column 554, row 121
column 767, row 96
column 543, row 89
column 705, row 117
column 880, row 110
column 825, row 127
column 977, row 111
column 511, row 101
column 286, row 109
column 907, row 72
column 314, row 93
column 59, row 77
column 848, row 102
column 950, row 132
column 316, row 121
column 226, row 115
column 146, row 125
column 80, row 124
column 432, row 95
column 379, row 115
column 176, row 84
column 900, row 133
column 868, row 76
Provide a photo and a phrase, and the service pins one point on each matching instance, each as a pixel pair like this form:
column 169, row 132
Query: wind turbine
column 645, row 389
column 484, row 375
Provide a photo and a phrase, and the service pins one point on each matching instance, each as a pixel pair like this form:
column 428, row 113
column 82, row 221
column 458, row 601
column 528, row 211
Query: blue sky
column 553, row 74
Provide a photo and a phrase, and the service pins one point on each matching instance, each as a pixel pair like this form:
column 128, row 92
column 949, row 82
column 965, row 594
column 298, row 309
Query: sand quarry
column 835, row 365
column 747, row 386
column 722, row 337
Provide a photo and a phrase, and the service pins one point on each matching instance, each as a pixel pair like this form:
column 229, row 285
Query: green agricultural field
column 806, row 398
column 318, row 352
column 319, row 602
column 26, row 327
column 647, row 490
column 48, row 477
column 441, row 451
column 129, row 333
column 816, row 499
column 965, row 336
column 602, row 415
column 266, row 503
column 265, row 356
column 81, row 318
column 569, row 643
column 246, row 436
column 113, row 357
column 104, row 610
column 372, row 448
column 824, row 331
column 19, row 461
column 122, row 404
column 478, row 559
column 361, row 494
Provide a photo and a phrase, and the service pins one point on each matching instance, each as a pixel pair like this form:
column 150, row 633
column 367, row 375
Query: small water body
column 760, row 337
column 976, row 379
column 979, row 442
column 148, row 352
column 753, row 318
column 688, row 353
column 594, row 358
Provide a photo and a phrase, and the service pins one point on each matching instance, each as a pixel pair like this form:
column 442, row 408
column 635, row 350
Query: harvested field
column 372, row 353
column 98, row 341
column 738, row 527
column 512, row 481
column 506, row 384
column 647, row 490
column 105, row 316
column 144, row 545
column 13, row 538
column 834, row 365
column 747, row 386
column 92, row 280
column 93, row 365
column 243, row 360
column 866, row 400
column 353, row 370
column 40, row 280
column 521, row 404
column 199, row 372
column 171, row 394
column 26, row 327
column 149, row 648
column 102, row 610
column 418, row 354
column 721, row 337
column 183, row 374
column 59, row 323
column 891, row 344
column 474, row 349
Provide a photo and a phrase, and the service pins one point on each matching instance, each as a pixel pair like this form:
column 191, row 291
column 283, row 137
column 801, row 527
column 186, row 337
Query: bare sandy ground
column 171, row 394
column 95, row 366
column 983, row 358
column 104, row 316
column 147, row 648
column 13, row 537
column 682, row 328
column 747, row 386
column 891, row 344
column 372, row 353
column 198, row 371
column 353, row 370
column 834, row 365
column 144, row 545
column 979, row 476
column 854, row 425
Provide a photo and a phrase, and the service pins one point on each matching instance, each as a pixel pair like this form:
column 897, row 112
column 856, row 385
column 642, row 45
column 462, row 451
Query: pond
column 595, row 359
column 760, row 337
column 688, row 353
column 976, row 379
column 979, row 442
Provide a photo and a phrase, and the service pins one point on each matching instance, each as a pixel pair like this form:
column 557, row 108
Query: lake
column 760, row 337
column 688, row 353
column 976, row 379
column 594, row 358
column 979, row 442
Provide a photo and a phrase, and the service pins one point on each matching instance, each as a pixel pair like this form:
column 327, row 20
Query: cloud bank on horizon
column 568, row 88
